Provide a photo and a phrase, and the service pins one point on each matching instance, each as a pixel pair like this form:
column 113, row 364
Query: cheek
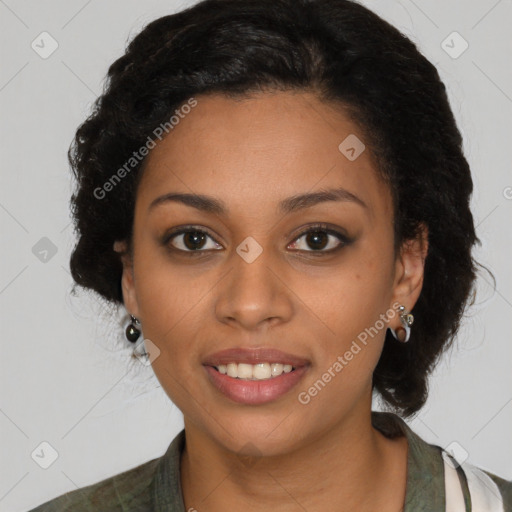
column 166, row 294
column 171, row 311
column 345, row 361
column 347, row 326
column 170, row 305
column 348, row 299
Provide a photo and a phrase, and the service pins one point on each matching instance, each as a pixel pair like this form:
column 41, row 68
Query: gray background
column 64, row 376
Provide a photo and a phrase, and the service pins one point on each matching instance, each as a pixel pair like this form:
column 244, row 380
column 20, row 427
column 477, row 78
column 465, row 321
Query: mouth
column 259, row 371
column 254, row 376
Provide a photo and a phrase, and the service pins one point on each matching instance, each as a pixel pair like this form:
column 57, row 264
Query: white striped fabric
column 453, row 489
column 484, row 493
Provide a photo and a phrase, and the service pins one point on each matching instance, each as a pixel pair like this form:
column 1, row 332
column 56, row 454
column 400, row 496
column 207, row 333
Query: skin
column 252, row 153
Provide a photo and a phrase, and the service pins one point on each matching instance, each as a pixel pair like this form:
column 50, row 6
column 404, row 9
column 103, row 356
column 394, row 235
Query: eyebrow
column 291, row 204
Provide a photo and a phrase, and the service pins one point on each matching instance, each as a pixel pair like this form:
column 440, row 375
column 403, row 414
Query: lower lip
column 254, row 392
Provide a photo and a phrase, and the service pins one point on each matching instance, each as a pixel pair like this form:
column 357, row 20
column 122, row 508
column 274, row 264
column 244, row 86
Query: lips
column 254, row 356
column 254, row 392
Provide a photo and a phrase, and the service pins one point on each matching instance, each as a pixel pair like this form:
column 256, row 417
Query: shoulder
column 488, row 491
column 436, row 478
column 131, row 488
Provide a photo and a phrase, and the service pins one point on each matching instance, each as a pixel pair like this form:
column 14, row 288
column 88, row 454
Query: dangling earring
column 132, row 331
column 403, row 333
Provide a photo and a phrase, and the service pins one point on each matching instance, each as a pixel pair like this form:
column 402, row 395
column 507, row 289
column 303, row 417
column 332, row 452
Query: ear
column 127, row 279
column 409, row 269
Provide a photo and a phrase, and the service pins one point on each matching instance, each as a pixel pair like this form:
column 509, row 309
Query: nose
column 254, row 293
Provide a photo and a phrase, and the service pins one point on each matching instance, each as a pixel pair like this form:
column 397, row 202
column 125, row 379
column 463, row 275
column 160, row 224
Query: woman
column 276, row 193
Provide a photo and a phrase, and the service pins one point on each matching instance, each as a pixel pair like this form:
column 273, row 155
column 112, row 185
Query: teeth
column 232, row 370
column 260, row 371
column 244, row 371
column 276, row 369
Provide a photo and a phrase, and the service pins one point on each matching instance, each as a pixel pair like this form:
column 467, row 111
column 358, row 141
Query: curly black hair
column 347, row 55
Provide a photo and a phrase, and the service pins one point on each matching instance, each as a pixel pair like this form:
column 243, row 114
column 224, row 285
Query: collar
column 166, row 484
column 425, row 490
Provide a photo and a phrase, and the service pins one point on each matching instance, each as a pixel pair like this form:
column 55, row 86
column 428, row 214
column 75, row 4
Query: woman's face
column 257, row 281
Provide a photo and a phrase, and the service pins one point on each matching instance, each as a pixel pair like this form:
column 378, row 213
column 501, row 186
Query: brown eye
column 320, row 239
column 191, row 240
column 194, row 240
column 317, row 239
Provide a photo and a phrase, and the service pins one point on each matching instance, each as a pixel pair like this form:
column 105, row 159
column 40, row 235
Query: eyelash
column 322, row 228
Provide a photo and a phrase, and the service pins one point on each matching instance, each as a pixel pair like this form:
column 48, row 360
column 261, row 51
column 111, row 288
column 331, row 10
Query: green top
column 155, row 485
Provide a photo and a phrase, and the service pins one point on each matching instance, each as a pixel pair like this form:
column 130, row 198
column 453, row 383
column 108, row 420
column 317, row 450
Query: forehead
column 255, row 151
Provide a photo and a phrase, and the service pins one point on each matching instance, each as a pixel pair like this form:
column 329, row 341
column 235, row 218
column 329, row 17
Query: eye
column 191, row 239
column 321, row 239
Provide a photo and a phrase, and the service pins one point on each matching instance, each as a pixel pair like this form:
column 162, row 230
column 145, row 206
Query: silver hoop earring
column 403, row 333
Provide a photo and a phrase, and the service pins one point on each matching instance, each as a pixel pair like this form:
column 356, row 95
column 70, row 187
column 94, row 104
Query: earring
column 132, row 331
column 403, row 333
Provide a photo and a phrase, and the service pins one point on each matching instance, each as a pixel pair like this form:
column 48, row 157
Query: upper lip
column 253, row 356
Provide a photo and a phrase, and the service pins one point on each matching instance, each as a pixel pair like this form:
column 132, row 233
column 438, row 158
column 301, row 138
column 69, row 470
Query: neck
column 351, row 466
